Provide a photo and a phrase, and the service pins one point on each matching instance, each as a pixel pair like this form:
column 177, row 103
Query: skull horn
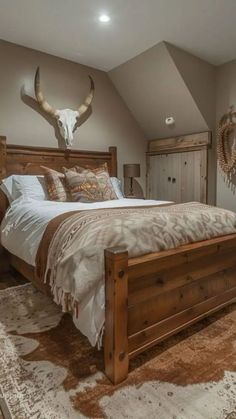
column 83, row 108
column 39, row 96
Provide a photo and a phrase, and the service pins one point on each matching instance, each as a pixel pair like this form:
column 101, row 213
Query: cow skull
column 66, row 118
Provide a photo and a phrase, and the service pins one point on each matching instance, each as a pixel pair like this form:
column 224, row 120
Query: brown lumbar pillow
column 56, row 185
column 83, row 187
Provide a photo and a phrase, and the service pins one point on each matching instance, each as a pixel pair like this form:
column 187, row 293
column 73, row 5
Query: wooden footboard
column 154, row 296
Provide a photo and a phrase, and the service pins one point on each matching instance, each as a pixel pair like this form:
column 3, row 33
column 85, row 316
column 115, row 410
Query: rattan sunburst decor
column 227, row 153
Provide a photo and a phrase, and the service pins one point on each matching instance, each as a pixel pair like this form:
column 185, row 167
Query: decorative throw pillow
column 83, row 187
column 102, row 167
column 56, row 185
column 103, row 179
column 105, row 184
column 29, row 186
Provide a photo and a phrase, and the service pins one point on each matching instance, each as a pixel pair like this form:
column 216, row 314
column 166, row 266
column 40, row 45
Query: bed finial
column 3, row 157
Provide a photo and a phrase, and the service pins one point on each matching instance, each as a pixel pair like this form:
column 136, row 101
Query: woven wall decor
column 227, row 154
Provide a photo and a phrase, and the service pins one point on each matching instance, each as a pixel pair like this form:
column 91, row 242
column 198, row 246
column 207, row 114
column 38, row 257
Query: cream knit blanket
column 75, row 263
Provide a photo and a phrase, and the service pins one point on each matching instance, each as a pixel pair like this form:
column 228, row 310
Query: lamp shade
column 131, row 170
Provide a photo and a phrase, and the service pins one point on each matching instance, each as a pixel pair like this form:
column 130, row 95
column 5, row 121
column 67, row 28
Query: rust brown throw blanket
column 71, row 254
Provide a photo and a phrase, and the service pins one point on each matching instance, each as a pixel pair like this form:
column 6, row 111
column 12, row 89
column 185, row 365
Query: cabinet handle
column 173, row 180
column 169, row 179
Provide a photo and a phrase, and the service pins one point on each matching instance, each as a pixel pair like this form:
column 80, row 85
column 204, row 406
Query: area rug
column 48, row 370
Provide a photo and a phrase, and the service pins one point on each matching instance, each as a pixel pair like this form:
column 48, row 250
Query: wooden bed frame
column 147, row 298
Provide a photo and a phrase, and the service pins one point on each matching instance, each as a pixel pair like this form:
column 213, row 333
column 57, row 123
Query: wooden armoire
column 177, row 168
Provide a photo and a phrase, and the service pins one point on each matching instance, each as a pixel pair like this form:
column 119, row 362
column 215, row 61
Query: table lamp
column 131, row 171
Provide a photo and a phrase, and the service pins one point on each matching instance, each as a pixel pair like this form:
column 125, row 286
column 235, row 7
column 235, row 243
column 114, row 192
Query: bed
column 148, row 298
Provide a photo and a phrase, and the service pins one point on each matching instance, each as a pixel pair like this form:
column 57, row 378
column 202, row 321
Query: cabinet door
column 165, row 177
column 175, row 176
column 190, row 176
column 158, row 185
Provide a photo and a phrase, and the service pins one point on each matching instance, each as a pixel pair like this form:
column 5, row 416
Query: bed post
column 3, row 156
column 4, row 265
column 116, row 315
column 113, row 151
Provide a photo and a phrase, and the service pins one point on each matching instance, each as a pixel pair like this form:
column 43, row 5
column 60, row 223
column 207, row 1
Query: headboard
column 25, row 160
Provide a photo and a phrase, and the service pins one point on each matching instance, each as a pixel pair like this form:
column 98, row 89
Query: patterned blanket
column 73, row 244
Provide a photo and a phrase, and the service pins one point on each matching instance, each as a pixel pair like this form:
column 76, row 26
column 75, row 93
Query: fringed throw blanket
column 71, row 254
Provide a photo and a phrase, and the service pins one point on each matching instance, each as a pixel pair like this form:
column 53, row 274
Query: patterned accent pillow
column 83, row 187
column 103, row 179
column 102, row 167
column 56, row 185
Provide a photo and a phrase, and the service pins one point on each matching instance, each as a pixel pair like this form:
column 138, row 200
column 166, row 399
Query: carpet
column 48, row 370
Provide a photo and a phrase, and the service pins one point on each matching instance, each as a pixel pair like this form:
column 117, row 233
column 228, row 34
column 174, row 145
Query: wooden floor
column 11, row 279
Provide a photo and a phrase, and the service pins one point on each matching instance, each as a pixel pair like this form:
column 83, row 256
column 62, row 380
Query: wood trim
column 179, row 144
column 116, row 335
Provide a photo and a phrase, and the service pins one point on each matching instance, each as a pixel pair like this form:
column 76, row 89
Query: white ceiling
column 70, row 28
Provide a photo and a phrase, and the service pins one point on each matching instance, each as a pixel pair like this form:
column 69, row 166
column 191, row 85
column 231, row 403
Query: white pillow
column 29, row 186
column 116, row 183
column 25, row 185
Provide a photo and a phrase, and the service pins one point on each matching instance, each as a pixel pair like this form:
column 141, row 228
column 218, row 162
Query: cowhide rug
column 49, row 371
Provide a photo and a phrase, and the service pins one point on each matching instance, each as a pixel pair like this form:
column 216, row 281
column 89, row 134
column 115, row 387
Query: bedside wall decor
column 226, row 153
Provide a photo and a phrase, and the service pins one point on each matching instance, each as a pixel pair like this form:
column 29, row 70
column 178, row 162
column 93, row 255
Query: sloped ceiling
column 155, row 85
column 200, row 78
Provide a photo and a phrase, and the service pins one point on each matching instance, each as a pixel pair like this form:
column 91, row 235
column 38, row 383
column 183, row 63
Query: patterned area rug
column 48, row 370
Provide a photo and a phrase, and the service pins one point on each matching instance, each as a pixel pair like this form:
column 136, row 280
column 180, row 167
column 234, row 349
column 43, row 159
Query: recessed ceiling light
column 104, row 18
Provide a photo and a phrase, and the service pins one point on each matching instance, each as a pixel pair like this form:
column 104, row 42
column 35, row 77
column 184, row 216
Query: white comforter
column 21, row 232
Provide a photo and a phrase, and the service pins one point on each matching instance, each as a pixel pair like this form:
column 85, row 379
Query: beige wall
column 200, row 79
column 166, row 81
column 154, row 89
column 66, row 85
column 225, row 97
